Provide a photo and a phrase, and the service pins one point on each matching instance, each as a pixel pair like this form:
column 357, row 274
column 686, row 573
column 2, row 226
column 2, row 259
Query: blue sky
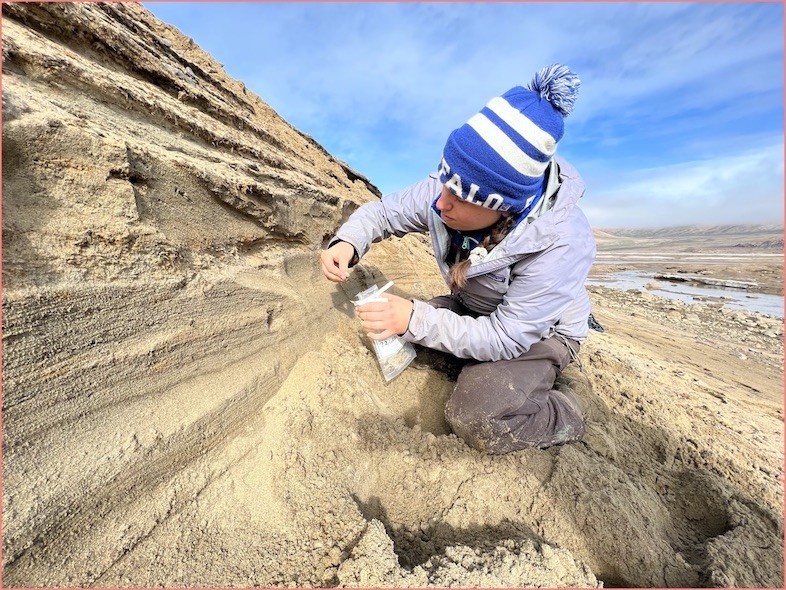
column 679, row 118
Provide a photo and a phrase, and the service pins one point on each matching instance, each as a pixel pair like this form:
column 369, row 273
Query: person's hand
column 335, row 261
column 385, row 319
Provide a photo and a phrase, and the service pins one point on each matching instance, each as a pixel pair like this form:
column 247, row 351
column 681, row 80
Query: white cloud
column 746, row 187
column 381, row 85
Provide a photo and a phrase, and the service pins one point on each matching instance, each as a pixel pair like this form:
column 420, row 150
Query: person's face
column 460, row 215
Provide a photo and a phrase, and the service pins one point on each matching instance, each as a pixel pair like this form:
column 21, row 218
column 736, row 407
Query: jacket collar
column 539, row 234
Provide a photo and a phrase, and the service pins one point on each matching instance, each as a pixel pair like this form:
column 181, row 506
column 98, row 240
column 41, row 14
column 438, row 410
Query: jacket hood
column 544, row 231
column 572, row 188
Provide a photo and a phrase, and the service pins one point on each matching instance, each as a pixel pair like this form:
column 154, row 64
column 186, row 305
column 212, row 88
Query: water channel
column 694, row 293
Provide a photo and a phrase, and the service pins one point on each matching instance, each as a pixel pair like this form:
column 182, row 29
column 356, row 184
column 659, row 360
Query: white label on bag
column 389, row 346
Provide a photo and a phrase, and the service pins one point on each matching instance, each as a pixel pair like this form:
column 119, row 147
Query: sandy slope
column 187, row 402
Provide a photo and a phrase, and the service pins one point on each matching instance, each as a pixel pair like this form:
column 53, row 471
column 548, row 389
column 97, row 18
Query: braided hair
column 458, row 272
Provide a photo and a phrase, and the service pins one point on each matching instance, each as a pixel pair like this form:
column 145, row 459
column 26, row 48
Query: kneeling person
column 515, row 250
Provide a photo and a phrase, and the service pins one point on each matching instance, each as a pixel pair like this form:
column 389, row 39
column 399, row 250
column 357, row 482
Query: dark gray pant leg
column 505, row 406
column 451, row 303
column 431, row 358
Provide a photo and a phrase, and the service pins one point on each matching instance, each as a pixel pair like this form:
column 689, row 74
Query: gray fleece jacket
column 528, row 287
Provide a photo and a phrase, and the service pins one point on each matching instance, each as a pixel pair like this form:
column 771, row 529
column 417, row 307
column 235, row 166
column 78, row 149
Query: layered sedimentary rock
column 186, row 402
column 160, row 225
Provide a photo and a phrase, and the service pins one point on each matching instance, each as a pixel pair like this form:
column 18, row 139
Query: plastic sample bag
column 394, row 354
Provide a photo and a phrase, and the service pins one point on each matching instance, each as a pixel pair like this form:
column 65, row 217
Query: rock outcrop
column 188, row 403
column 160, row 224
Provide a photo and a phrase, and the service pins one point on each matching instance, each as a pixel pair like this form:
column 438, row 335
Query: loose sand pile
column 187, row 403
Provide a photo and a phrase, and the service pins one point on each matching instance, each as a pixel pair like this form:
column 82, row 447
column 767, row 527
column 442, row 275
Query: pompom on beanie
column 498, row 158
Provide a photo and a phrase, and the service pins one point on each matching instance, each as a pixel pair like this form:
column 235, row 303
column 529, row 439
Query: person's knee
column 495, row 435
column 470, row 425
column 459, row 416
column 478, row 430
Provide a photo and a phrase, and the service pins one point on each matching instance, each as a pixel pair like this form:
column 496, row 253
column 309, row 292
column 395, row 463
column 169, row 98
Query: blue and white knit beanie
column 498, row 158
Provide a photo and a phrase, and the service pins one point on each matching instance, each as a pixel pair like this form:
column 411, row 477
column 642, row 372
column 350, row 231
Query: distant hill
column 775, row 232
column 600, row 234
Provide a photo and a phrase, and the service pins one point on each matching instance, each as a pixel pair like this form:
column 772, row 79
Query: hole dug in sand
column 334, row 477
column 608, row 502
column 414, row 546
column 474, row 557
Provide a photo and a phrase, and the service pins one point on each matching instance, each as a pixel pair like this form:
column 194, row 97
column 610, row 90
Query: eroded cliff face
column 160, row 230
column 186, row 402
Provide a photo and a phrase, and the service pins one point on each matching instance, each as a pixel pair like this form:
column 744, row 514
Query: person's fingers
column 329, row 275
column 327, row 259
column 375, row 324
column 343, row 265
column 374, row 306
column 381, row 335
column 374, row 315
column 331, row 270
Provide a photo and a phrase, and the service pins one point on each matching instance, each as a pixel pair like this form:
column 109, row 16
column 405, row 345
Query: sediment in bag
column 394, row 354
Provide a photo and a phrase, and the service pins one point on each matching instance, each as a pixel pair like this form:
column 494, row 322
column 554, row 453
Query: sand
column 186, row 402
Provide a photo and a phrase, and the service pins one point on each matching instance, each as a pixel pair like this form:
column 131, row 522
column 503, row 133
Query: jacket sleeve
column 395, row 214
column 541, row 289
